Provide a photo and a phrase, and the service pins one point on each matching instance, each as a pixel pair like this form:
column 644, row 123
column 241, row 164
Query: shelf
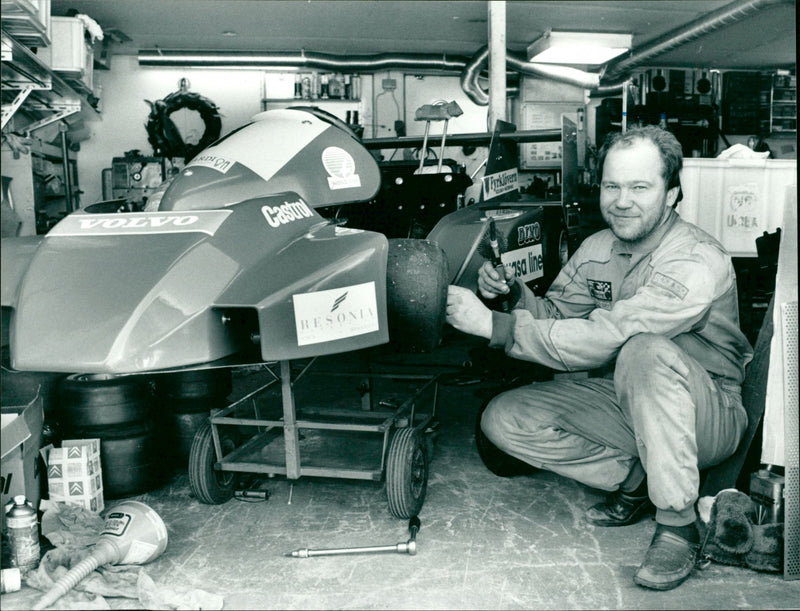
column 27, row 22
column 28, row 85
column 314, row 100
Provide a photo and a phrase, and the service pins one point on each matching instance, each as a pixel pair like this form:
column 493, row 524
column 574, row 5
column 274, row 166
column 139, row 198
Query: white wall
column 238, row 95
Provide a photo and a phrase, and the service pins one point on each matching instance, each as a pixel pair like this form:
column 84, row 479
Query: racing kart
column 237, row 266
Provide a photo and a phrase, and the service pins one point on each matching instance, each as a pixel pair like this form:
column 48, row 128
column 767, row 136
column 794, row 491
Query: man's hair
column 667, row 144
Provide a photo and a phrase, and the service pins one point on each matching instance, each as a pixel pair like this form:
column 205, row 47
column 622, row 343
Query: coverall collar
column 649, row 244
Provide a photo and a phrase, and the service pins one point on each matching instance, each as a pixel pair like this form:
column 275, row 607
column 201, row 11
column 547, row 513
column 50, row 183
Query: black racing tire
column 210, row 486
column 131, row 458
column 200, row 384
column 497, row 461
column 406, row 473
column 99, row 400
column 164, row 136
column 416, row 294
column 182, row 428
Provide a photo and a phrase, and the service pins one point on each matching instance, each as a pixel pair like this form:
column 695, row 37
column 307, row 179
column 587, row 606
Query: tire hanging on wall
column 164, row 136
column 416, row 294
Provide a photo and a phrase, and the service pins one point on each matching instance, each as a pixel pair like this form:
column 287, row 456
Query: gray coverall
column 666, row 309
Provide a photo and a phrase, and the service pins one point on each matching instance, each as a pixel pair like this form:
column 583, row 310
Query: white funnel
column 132, row 534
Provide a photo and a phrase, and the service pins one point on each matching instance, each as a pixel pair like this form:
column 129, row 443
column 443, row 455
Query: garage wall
column 238, row 94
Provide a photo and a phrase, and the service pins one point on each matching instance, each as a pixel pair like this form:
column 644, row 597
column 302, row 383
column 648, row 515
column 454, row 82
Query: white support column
column 497, row 62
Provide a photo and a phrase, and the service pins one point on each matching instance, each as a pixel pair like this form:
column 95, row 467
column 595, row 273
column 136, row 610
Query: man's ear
column 672, row 196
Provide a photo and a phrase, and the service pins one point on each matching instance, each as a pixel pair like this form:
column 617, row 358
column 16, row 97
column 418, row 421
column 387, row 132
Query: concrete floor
column 485, row 542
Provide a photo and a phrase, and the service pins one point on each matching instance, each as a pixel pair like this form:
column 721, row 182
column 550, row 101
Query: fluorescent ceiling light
column 584, row 48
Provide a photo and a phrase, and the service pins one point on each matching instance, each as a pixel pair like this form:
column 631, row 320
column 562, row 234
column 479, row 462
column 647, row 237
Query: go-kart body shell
column 235, row 256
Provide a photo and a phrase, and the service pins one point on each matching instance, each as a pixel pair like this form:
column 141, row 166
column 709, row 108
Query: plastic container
column 23, row 535
column 736, row 200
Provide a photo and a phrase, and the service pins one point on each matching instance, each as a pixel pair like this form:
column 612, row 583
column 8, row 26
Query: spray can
column 23, row 534
column 10, row 580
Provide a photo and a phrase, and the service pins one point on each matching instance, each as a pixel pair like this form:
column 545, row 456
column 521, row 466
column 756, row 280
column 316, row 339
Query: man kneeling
column 652, row 300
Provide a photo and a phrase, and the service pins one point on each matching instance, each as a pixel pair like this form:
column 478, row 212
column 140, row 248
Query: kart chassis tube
column 368, row 420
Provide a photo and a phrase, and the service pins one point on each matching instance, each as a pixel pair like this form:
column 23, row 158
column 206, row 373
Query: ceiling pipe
column 724, row 16
column 302, row 59
column 609, row 82
column 612, row 80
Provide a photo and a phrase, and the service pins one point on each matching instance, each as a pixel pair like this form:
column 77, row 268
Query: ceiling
column 764, row 38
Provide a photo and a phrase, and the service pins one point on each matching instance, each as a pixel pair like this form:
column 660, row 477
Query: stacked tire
column 118, row 410
column 186, row 399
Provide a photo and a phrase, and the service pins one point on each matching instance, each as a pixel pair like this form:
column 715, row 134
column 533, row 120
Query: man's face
column 633, row 195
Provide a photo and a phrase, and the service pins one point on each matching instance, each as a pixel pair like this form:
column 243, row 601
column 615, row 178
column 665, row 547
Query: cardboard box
column 74, row 474
column 20, row 440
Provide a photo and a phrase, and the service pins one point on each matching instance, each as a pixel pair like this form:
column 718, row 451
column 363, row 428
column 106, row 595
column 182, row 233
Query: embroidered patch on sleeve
column 668, row 284
column 600, row 289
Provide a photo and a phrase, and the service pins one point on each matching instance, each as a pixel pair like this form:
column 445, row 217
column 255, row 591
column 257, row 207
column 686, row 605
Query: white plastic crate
column 736, row 200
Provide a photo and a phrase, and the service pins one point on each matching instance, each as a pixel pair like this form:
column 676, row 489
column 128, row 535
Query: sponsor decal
column 601, row 292
column 139, row 223
column 286, row 213
column 528, row 234
column 215, row 162
column 341, row 168
column 500, row 183
column 670, row 285
column 75, row 488
column 527, row 263
column 54, row 471
column 116, row 523
column 334, row 314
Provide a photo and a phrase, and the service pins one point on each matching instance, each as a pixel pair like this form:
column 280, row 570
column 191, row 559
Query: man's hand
column 491, row 283
column 467, row 313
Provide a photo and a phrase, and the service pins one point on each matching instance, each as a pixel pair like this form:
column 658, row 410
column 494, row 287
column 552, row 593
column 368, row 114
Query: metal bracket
column 61, row 111
column 10, row 109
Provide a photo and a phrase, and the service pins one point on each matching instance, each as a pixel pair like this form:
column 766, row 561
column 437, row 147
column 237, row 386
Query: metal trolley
column 283, row 427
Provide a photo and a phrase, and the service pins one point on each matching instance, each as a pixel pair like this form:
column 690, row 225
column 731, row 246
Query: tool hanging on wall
column 164, row 136
column 409, row 547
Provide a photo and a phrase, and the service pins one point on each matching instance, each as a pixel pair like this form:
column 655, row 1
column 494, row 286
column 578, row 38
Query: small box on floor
column 74, row 474
column 21, row 437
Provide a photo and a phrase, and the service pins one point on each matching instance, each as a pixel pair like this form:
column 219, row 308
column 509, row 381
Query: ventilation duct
column 612, row 79
column 609, row 82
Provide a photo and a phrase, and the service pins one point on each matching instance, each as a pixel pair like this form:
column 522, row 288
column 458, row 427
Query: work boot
column 619, row 509
column 669, row 559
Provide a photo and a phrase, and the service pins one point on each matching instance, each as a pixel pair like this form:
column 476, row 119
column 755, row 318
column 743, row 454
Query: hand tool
column 409, row 547
column 497, row 262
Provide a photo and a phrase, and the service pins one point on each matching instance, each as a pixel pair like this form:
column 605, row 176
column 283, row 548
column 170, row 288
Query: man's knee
column 642, row 354
column 512, row 412
column 496, row 421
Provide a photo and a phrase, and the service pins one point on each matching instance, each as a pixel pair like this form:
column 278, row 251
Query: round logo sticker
column 341, row 167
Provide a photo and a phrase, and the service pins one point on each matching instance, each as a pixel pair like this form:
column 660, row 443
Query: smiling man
column 649, row 306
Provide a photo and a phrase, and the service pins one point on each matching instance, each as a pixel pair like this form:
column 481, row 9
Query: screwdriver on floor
column 409, row 547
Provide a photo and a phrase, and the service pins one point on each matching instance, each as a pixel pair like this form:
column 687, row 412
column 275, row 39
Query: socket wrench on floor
column 409, row 547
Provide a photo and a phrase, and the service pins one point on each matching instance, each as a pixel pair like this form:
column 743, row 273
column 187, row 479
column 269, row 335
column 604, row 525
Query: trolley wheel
column 406, row 473
column 210, row 486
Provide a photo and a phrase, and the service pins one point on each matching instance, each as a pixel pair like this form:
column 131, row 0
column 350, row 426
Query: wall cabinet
column 783, row 104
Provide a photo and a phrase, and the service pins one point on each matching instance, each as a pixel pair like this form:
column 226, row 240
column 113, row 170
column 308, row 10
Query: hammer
column 409, row 547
